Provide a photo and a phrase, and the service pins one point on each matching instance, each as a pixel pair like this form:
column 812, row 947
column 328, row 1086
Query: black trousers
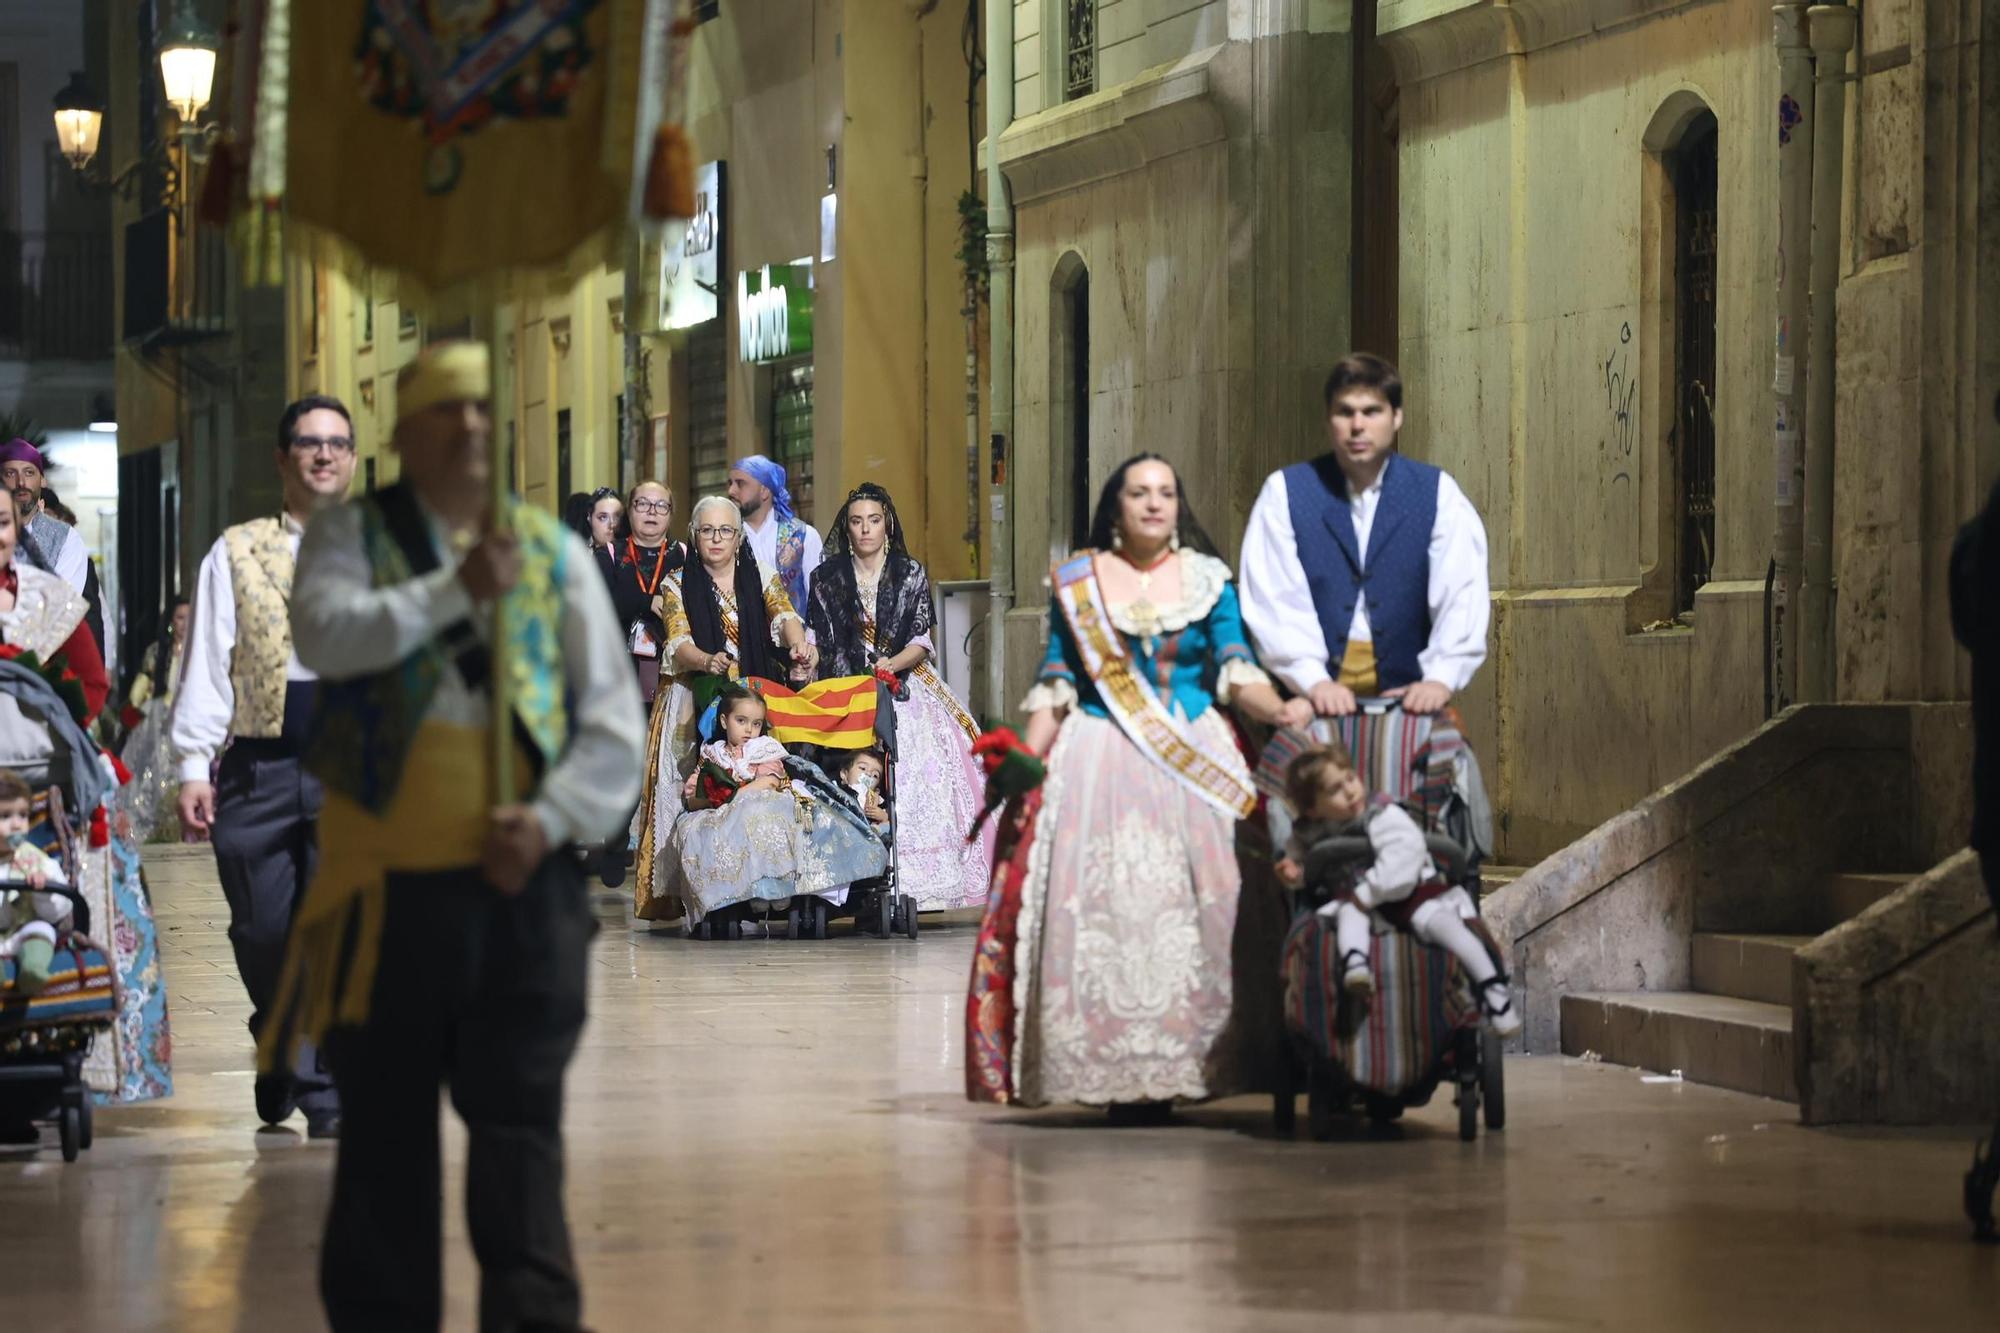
column 266, row 844
column 483, row 994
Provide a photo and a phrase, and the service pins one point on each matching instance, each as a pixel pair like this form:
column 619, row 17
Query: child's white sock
column 1440, row 924
column 1352, row 931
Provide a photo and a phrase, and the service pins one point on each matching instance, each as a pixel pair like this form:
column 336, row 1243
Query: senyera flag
column 838, row 714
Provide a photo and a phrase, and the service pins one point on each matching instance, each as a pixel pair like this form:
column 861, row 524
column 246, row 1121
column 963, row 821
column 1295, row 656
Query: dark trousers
column 484, row 994
column 265, row 836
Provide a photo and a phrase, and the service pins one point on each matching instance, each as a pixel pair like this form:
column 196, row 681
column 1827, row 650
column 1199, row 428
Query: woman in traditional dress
column 1102, row 974
column 43, row 615
column 724, row 617
column 871, row 612
column 149, row 750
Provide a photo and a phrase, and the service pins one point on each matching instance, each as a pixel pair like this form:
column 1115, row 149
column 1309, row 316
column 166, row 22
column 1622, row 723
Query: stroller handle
column 1327, row 855
column 79, row 909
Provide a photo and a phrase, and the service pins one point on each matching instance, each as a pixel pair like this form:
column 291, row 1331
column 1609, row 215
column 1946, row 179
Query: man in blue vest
column 1363, row 571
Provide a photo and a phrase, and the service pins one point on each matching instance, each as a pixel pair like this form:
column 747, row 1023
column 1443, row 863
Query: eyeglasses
column 652, row 506
column 709, row 533
column 312, row 444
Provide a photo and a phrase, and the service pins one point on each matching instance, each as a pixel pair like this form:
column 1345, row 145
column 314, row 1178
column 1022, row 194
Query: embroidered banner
column 455, row 139
column 1130, row 698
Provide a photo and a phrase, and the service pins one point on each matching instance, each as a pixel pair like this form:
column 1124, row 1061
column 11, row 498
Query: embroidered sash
column 1131, row 700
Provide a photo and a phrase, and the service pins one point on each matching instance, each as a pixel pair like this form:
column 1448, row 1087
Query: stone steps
column 1719, row 1039
column 1848, row 896
column 1734, row 1028
column 1746, row 967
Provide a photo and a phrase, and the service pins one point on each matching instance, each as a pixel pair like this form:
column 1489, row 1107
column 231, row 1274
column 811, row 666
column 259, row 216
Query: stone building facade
column 1581, row 204
column 1183, row 259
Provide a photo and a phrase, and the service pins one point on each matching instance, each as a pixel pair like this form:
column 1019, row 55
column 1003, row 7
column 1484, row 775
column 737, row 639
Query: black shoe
column 275, row 1099
column 325, row 1125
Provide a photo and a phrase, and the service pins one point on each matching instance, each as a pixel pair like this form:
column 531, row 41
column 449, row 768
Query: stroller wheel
column 908, row 907
column 1492, row 1081
column 885, row 914
column 1466, row 1075
column 795, row 920
column 1285, row 1097
column 71, row 1125
column 1321, row 1105
column 86, row 1127
column 817, row 910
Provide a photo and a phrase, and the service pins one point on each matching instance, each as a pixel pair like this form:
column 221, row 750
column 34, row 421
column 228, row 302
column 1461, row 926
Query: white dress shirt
column 206, row 704
column 764, row 542
column 343, row 627
column 1284, row 624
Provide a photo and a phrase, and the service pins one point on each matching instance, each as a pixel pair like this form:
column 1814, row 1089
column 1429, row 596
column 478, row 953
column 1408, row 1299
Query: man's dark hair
column 52, row 503
column 312, row 402
column 1365, row 370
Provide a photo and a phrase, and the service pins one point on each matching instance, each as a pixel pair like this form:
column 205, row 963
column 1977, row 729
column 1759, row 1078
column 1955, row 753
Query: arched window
column 1694, row 173
column 1661, row 382
column 1069, row 406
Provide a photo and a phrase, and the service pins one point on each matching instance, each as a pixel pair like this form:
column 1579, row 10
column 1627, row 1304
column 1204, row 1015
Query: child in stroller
column 31, row 919
column 762, row 827
column 1371, row 856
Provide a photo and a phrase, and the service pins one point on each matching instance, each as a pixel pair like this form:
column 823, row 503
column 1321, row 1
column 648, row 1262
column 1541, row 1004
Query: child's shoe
column 1356, row 977
column 1502, row 1018
column 34, row 959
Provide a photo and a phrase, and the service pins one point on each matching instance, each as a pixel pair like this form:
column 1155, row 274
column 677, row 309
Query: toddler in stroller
column 31, row 919
column 761, row 827
column 1371, row 856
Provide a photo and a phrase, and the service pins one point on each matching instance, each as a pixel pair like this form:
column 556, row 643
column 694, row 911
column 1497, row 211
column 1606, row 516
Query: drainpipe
column 1795, row 149
column 1000, row 310
column 1832, row 39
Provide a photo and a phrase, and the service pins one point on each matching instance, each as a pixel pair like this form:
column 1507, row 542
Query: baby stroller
column 1423, row 1024
column 877, row 905
column 46, row 1038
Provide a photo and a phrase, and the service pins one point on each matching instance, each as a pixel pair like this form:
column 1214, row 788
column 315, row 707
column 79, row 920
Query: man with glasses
column 243, row 686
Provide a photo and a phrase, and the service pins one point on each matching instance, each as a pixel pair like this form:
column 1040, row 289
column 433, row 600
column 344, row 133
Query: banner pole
column 500, row 730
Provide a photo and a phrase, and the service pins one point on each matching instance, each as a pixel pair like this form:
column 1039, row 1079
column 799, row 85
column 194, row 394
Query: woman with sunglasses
column 635, row 567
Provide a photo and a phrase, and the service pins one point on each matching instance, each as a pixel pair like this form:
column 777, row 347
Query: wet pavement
column 768, row 1135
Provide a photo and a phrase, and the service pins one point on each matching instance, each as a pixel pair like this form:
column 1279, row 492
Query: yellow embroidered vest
column 260, row 572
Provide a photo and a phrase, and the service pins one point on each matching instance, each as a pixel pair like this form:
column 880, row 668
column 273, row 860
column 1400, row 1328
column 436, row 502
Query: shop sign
column 689, row 281
column 774, row 312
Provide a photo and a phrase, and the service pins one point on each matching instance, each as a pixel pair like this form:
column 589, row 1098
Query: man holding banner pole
column 478, row 719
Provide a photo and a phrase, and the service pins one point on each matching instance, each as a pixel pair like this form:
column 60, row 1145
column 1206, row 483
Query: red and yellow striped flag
column 837, row 713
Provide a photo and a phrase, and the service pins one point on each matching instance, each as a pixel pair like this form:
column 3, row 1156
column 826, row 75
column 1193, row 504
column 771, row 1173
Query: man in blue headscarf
column 783, row 543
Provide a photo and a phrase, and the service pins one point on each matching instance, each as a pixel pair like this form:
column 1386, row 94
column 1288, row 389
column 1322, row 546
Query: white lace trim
column 1055, row 694
column 1235, row 674
column 1202, row 581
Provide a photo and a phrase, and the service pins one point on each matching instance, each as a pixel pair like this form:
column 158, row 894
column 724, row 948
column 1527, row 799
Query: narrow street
column 768, row 1135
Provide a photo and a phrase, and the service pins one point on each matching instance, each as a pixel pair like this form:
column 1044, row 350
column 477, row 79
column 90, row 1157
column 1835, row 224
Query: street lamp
column 187, row 66
column 79, row 120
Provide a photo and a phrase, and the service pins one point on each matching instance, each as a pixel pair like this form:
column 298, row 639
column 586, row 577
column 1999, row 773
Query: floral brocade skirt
column 1104, row 968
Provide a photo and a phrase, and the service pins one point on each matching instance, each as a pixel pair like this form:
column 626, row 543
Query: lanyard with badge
column 644, row 643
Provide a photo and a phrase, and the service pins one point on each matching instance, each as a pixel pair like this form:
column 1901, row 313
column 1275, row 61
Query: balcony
column 55, row 296
column 177, row 288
